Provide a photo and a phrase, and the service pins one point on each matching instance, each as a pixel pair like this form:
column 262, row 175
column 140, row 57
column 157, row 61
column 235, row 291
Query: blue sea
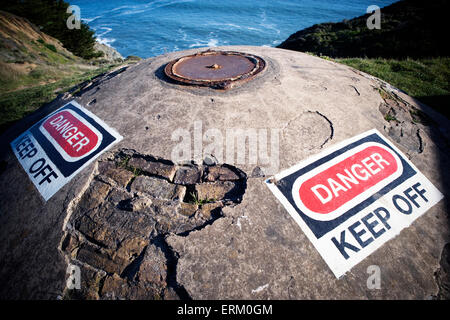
column 150, row 28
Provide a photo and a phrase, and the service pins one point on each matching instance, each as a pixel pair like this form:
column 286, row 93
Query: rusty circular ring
column 258, row 65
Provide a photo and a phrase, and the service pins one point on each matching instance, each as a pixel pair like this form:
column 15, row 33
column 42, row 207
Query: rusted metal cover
column 215, row 69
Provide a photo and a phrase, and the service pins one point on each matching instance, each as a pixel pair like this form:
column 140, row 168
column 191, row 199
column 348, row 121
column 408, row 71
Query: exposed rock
column 164, row 169
column 208, row 210
column 130, row 248
column 70, row 244
column 210, row 160
column 91, row 200
column 115, row 225
column 257, row 173
column 117, row 288
column 135, row 204
column 109, row 53
column 221, row 173
column 119, row 175
column 98, row 258
column 188, row 175
column 443, row 274
column 158, row 188
column 187, row 209
column 406, row 134
column 153, row 268
column 215, row 191
column 401, row 127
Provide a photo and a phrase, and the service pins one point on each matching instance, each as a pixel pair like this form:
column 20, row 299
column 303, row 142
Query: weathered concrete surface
column 228, row 249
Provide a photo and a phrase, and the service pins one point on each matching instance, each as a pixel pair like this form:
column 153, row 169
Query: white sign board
column 59, row 146
column 353, row 197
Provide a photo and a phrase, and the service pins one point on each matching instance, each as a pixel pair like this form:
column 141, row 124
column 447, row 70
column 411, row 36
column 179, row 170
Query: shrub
column 50, row 47
column 51, row 16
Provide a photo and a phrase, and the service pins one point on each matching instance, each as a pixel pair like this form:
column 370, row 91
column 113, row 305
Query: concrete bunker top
column 298, row 105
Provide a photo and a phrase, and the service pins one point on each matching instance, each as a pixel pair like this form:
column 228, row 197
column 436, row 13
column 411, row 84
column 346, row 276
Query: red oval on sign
column 335, row 186
column 74, row 137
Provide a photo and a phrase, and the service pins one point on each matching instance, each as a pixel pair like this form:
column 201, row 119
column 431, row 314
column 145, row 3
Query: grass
column 424, row 79
column 412, row 28
column 50, row 47
column 123, row 163
column 195, row 199
column 47, row 45
column 389, row 118
column 14, row 105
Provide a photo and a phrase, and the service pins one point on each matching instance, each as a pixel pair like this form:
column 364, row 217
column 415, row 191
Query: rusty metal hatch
column 215, row 69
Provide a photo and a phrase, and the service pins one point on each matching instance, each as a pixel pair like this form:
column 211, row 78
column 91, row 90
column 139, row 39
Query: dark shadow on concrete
column 440, row 134
column 443, row 275
column 161, row 75
column 439, row 103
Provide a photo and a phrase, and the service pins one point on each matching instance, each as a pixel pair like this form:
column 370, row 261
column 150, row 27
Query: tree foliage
column 409, row 28
column 51, row 17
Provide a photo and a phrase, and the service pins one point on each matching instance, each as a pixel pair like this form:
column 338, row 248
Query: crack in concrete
column 131, row 270
column 331, row 129
column 172, row 265
column 355, row 90
column 330, row 137
column 420, row 141
column 292, row 120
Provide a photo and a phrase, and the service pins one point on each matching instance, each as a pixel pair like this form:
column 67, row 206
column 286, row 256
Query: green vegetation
column 123, row 163
column 424, row 79
column 35, row 68
column 195, row 199
column 50, row 47
column 17, row 104
column 389, row 117
column 409, row 28
column 408, row 51
column 25, row 74
column 51, row 17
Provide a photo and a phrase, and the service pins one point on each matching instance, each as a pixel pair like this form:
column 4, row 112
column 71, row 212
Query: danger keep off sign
column 352, row 198
column 59, row 146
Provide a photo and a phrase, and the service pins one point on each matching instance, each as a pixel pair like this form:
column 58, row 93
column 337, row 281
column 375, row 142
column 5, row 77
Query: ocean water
column 150, row 28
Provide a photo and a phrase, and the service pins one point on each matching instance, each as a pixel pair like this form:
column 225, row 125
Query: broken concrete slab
column 120, row 176
column 116, row 233
column 215, row 191
column 164, row 169
column 221, row 173
column 188, row 175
